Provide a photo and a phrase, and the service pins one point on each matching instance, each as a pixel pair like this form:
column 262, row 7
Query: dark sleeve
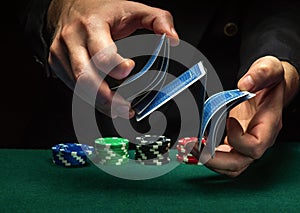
column 271, row 28
column 31, row 22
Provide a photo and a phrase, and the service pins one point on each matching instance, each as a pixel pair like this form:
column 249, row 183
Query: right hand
column 85, row 28
column 253, row 126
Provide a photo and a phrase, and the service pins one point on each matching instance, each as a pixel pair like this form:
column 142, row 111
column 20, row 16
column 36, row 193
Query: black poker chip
column 152, row 150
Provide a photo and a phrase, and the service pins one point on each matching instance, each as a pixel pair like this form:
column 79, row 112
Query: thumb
column 264, row 72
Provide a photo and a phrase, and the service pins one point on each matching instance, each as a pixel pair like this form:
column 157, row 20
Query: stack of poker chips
column 111, row 151
column 152, row 150
column 71, row 154
column 185, row 146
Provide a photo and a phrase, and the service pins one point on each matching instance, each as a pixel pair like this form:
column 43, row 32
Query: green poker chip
column 112, row 150
column 112, row 142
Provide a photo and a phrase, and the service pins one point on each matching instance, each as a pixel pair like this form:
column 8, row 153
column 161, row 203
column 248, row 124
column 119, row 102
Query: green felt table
column 30, row 182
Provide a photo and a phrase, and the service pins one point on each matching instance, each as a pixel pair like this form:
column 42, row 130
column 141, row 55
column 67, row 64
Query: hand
column 85, row 29
column 252, row 126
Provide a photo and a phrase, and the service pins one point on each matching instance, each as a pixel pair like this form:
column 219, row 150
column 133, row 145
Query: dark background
column 31, row 104
column 36, row 110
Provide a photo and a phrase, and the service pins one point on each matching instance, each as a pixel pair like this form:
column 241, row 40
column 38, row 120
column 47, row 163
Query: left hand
column 253, row 126
column 85, row 31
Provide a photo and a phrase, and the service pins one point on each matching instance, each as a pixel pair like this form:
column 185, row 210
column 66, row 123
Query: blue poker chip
column 71, row 154
column 68, row 161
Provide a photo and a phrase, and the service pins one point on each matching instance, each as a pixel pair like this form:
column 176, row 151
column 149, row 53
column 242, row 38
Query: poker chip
column 187, row 159
column 71, row 154
column 111, row 151
column 155, row 162
column 152, row 150
column 186, row 146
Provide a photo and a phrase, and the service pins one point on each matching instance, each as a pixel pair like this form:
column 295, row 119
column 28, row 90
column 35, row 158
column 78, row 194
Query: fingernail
column 173, row 31
column 122, row 70
column 247, row 83
column 131, row 113
column 130, row 63
column 175, row 39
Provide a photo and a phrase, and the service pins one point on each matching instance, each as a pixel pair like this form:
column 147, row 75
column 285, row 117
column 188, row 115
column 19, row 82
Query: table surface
column 30, row 182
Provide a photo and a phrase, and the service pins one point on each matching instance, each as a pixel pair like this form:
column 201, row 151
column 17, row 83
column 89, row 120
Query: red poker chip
column 203, row 141
column 190, row 146
column 186, row 140
column 188, row 143
column 182, row 150
column 187, row 159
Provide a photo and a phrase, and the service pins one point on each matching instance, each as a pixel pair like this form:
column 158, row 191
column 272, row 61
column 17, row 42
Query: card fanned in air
column 157, row 92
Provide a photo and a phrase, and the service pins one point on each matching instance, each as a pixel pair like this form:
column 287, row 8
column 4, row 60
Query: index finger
column 104, row 53
column 133, row 16
column 91, row 87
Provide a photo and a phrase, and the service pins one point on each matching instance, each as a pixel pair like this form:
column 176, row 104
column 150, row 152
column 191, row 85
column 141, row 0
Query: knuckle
column 52, row 51
column 106, row 61
column 102, row 58
column 66, row 32
column 269, row 66
column 234, row 174
column 78, row 73
column 235, row 168
column 103, row 103
column 263, row 69
column 164, row 14
column 53, row 54
column 257, row 150
column 89, row 22
column 50, row 61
